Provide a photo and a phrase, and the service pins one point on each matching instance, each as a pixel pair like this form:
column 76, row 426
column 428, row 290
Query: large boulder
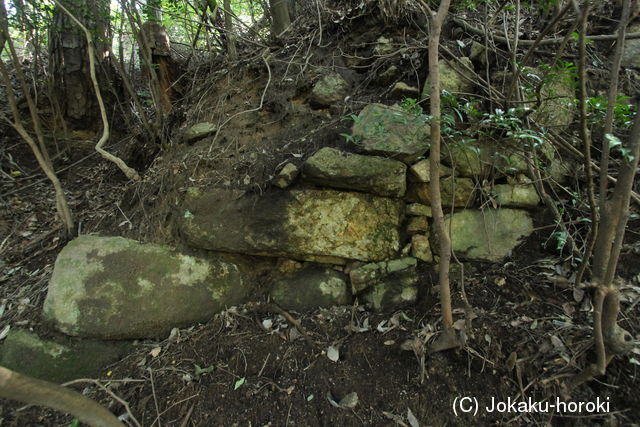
column 391, row 132
column 489, row 234
column 311, row 287
column 376, row 175
column 60, row 360
column 312, row 225
column 329, row 90
column 112, row 287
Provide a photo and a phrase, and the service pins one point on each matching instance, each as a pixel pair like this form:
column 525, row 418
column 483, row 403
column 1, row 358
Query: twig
column 155, row 399
column 185, row 422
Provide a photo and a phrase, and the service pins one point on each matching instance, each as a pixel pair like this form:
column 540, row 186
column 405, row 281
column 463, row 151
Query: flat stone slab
column 488, row 235
column 391, row 132
column 376, row 175
column 313, row 225
column 112, row 287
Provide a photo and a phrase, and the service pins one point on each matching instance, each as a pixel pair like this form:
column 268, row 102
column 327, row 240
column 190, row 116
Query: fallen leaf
column 155, row 351
column 333, row 354
column 5, row 332
column 389, row 342
column 511, row 361
column 382, row 328
column 557, row 343
column 568, row 308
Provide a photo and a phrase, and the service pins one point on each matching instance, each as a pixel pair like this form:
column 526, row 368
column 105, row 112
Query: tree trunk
column 69, row 63
column 280, row 16
column 155, row 47
column 228, row 28
column 152, row 10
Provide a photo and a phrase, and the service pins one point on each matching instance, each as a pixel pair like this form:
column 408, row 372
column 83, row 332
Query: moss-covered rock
column 458, row 192
column 557, row 96
column 391, row 132
column 421, row 171
column 487, row 235
column 286, row 176
column 517, row 196
column 418, row 209
column 199, row 131
column 417, row 224
column 312, row 225
column 376, row 175
column 454, row 77
column 401, row 90
column 311, row 287
column 421, row 247
column 58, row 361
column 504, row 156
column 388, row 284
column 329, row 90
column 112, row 287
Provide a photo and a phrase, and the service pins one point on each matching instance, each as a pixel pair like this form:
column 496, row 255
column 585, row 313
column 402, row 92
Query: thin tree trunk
column 228, row 28
column 448, row 339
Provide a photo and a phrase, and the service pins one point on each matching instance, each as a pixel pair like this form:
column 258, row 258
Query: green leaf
column 200, row 371
column 614, row 141
column 74, row 423
column 239, row 383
